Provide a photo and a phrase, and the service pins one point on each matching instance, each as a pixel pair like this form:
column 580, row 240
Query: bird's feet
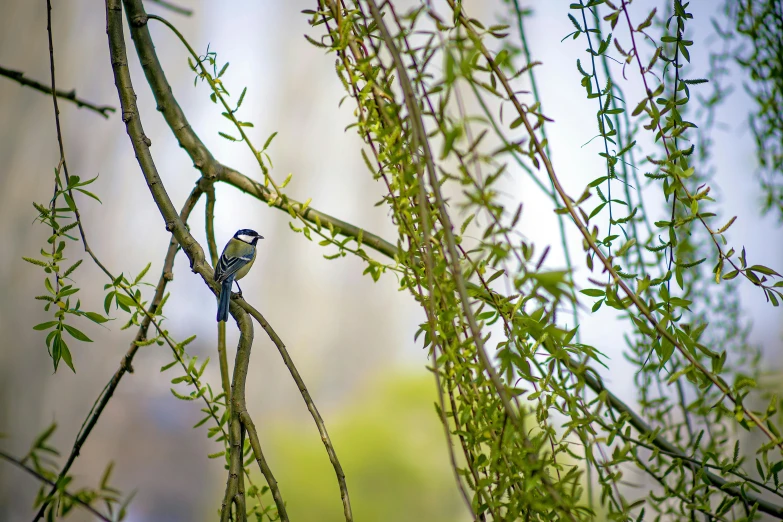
column 236, row 295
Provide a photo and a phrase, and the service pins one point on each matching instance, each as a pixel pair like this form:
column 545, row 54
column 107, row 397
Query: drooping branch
column 570, row 207
column 19, row 77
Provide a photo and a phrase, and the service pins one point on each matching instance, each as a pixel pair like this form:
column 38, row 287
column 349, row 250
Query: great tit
column 234, row 264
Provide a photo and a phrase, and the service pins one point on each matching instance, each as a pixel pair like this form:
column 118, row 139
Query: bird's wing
column 228, row 266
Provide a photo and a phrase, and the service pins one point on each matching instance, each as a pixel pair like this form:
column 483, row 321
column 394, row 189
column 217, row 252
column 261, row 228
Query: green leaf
column 639, row 108
column 69, row 201
column 269, row 141
column 46, row 325
column 142, row 274
column 90, row 194
column 228, row 137
column 763, row 269
column 593, row 292
column 241, row 97
column 107, row 301
column 77, row 334
column 65, row 353
column 495, row 276
column 96, row 317
column 124, row 300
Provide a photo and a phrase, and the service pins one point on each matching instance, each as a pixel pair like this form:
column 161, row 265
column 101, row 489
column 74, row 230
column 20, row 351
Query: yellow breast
column 242, row 272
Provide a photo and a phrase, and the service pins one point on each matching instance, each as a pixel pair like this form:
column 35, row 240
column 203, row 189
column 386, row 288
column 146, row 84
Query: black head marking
column 248, row 236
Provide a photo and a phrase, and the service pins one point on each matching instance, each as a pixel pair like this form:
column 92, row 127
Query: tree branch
column 209, row 216
column 202, row 158
column 194, row 251
column 236, row 461
column 19, row 77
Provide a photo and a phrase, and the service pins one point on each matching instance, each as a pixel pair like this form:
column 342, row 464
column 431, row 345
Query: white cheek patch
column 246, row 239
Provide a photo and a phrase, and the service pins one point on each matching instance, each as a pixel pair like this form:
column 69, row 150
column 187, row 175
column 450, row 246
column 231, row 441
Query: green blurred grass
column 391, row 445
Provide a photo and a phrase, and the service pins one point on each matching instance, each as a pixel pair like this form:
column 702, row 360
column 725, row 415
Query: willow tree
column 532, row 431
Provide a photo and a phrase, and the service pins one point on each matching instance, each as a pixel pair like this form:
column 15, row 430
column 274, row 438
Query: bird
column 234, row 264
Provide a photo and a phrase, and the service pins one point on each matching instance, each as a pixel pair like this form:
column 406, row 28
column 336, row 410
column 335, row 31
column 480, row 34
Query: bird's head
column 248, row 236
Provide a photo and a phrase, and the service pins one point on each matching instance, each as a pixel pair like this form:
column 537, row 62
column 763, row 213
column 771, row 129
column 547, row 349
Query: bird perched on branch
column 234, row 264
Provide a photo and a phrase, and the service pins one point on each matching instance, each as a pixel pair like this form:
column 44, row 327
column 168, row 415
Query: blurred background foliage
column 392, row 450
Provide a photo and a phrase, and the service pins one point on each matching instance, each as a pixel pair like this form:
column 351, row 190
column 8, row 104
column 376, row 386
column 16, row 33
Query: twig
column 40, row 477
column 595, row 383
column 252, row 433
column 63, row 164
column 209, row 215
column 18, row 76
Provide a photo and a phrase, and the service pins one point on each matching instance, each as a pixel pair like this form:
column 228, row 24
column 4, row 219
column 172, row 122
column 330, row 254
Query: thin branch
column 19, row 77
column 40, row 477
column 252, row 433
column 209, row 216
column 95, row 412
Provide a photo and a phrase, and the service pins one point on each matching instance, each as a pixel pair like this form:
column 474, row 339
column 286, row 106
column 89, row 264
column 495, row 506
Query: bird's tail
column 224, row 299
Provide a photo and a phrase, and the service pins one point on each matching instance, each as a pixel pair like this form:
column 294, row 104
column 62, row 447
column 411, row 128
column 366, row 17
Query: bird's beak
column 260, row 237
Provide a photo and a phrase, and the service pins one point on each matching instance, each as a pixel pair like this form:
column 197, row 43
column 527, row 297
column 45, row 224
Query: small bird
column 233, row 265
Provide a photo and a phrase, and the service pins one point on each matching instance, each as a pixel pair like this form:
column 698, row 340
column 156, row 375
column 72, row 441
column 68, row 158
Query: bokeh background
column 351, row 338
